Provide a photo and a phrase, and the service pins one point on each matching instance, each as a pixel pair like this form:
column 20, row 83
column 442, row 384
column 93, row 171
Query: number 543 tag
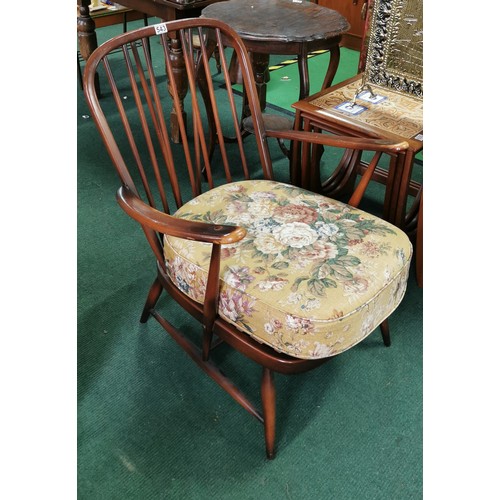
column 161, row 28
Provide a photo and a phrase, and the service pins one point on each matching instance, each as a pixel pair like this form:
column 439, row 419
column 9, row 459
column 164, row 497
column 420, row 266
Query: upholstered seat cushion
column 312, row 277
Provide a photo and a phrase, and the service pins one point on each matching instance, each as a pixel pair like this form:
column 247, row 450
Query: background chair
column 286, row 277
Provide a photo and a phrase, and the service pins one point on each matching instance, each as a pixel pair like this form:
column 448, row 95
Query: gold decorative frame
column 395, row 46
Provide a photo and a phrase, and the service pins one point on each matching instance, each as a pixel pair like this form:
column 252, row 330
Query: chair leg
column 268, row 393
column 153, row 296
column 384, row 328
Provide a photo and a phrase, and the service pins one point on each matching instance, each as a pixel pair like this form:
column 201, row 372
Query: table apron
column 363, row 131
column 284, row 47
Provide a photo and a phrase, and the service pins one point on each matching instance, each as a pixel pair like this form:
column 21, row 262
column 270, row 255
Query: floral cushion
column 311, row 278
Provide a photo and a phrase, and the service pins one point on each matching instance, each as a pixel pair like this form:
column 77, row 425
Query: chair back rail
column 148, row 158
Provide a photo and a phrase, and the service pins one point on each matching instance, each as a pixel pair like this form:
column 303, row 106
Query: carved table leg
column 303, row 74
column 333, row 65
column 181, row 84
column 87, row 38
column 178, row 65
column 201, row 77
column 260, row 66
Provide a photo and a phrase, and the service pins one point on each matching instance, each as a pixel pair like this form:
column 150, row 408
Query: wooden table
column 107, row 16
column 167, row 10
column 399, row 119
column 283, row 27
column 117, row 15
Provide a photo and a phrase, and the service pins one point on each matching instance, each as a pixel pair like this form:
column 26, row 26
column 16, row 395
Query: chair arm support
column 167, row 224
column 339, row 141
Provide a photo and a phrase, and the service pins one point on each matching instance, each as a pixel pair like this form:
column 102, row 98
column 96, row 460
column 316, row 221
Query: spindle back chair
column 231, row 242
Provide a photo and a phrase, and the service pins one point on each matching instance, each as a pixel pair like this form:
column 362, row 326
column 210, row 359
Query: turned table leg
column 87, row 38
column 181, row 86
column 260, row 66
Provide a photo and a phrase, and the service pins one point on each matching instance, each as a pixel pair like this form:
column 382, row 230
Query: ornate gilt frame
column 395, row 46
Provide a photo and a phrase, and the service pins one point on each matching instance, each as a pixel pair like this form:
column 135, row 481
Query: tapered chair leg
column 268, row 393
column 153, row 296
column 386, row 336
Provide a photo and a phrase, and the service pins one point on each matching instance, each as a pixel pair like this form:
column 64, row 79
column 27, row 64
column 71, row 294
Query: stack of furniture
column 385, row 102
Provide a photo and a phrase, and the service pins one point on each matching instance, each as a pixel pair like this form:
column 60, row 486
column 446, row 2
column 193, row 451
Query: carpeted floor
column 151, row 425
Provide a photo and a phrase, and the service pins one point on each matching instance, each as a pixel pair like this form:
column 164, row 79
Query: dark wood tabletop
column 279, row 20
column 283, row 27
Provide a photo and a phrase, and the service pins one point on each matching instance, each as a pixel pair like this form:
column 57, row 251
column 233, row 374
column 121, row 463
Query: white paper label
column 367, row 96
column 160, row 28
column 352, row 109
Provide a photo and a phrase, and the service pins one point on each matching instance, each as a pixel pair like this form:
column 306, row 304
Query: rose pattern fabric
column 312, row 277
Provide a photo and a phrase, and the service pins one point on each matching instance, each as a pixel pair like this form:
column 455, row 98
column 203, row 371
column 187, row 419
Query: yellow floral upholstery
column 312, row 277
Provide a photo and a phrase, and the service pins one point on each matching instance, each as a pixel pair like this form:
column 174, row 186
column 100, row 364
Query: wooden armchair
column 286, row 277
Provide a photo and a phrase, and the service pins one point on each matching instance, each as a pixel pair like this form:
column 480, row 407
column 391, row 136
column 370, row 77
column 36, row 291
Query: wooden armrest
column 340, row 141
column 191, row 230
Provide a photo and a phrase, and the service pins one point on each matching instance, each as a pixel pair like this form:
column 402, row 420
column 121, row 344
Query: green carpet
column 151, row 425
column 284, row 83
column 283, row 88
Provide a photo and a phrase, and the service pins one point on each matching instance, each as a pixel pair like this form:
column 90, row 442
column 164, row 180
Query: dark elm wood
column 152, row 299
column 268, row 392
column 208, row 366
column 384, row 327
column 211, row 305
column 260, row 353
column 148, row 162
